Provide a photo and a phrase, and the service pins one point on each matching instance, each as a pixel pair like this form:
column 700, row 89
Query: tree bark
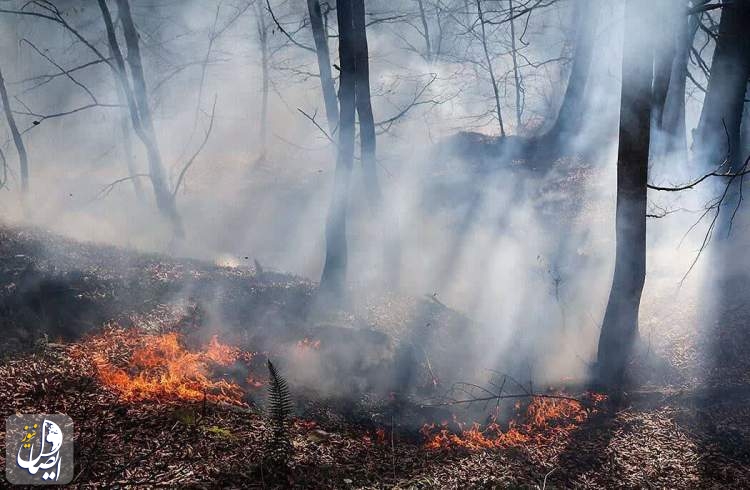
column 718, row 132
column 320, row 36
column 333, row 279
column 164, row 198
column 23, row 158
column 620, row 325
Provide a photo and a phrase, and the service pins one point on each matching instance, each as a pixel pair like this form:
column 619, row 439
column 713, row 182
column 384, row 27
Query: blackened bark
column 333, row 279
column 23, row 158
column 164, row 198
column 570, row 115
column 320, row 36
column 722, row 107
column 620, row 325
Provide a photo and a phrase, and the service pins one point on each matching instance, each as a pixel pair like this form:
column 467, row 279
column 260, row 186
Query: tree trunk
column 164, row 198
column 23, row 158
column 425, row 31
column 392, row 256
column 570, row 115
column 333, row 279
column 127, row 141
column 672, row 121
column 516, row 73
column 490, row 68
column 320, row 36
column 620, row 324
column 668, row 16
column 718, row 132
column 263, row 39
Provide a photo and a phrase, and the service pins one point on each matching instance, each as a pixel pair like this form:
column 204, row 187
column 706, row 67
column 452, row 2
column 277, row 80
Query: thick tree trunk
column 718, row 132
column 392, row 249
column 570, row 115
column 620, row 325
column 333, row 279
column 23, row 158
column 164, row 198
column 320, row 36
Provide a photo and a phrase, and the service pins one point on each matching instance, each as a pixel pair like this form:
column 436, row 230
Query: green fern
column 280, row 410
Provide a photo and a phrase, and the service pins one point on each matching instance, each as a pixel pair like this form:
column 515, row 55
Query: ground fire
column 544, row 418
column 160, row 367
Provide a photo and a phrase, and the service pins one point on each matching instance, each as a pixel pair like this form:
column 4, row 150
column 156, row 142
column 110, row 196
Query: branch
column 197, row 152
column 107, row 189
column 312, row 119
column 283, row 31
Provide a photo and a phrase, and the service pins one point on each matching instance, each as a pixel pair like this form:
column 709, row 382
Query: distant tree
column 23, row 159
column 620, row 325
column 320, row 36
column 138, row 105
column 672, row 121
column 570, row 115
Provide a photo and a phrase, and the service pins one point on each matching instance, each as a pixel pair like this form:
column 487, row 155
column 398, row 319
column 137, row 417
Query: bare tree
column 23, row 159
column 320, row 36
column 730, row 69
column 140, row 112
column 718, row 131
column 570, row 115
column 265, row 76
column 490, row 67
column 620, row 325
column 333, row 279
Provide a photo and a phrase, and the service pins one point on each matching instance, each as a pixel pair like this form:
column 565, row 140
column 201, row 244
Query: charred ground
column 680, row 430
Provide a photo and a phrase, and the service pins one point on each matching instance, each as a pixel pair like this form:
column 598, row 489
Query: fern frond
column 280, row 408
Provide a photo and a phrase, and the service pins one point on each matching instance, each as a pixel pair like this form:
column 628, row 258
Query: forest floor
column 67, row 307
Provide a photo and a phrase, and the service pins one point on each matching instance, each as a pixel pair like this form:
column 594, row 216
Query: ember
column 161, row 368
column 307, row 344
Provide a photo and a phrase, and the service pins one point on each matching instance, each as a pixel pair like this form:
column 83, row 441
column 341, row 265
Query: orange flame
column 160, row 368
column 544, row 419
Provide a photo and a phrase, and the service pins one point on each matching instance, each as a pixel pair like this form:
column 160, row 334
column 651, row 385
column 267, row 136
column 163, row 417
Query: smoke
column 526, row 255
